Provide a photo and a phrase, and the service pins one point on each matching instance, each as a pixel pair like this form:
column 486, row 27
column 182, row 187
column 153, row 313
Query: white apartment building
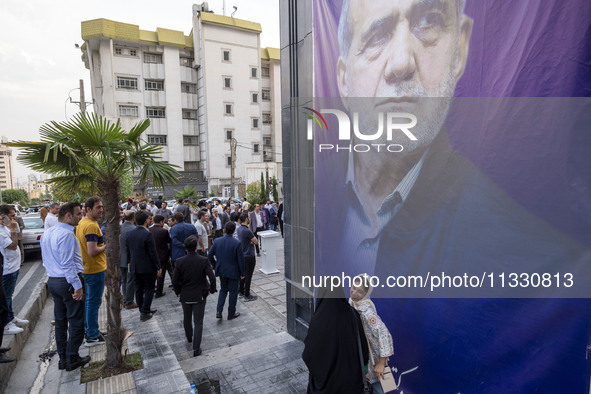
column 6, row 167
column 199, row 91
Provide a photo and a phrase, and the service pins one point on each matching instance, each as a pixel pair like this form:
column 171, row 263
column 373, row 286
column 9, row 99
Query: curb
column 31, row 312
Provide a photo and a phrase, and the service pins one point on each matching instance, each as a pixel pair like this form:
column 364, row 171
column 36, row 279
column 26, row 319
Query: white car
column 32, row 233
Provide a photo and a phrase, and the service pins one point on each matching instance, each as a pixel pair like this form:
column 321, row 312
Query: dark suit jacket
column 162, row 241
column 252, row 220
column 190, row 279
column 225, row 218
column 186, row 211
column 125, row 228
column 179, row 232
column 456, row 220
column 230, row 258
column 141, row 251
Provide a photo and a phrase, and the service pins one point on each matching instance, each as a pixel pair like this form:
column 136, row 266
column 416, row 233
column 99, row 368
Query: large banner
column 452, row 164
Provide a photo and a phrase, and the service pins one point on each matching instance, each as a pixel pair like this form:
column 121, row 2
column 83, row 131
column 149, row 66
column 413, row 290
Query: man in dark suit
column 127, row 279
column 144, row 264
column 190, row 281
column 256, row 223
column 227, row 258
column 178, row 233
column 162, row 240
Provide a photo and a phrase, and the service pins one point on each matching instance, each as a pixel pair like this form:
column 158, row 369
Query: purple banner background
column 525, row 48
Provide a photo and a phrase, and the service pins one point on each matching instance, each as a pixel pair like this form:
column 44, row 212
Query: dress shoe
column 190, row 340
column 197, row 352
column 133, row 305
column 4, row 349
column 5, row 359
column 146, row 316
column 234, row 316
column 152, row 311
column 160, row 295
column 218, row 315
column 79, row 362
column 61, row 365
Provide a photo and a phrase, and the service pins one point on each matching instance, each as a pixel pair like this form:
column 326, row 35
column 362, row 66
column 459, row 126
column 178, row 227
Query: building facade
column 200, row 92
column 6, row 166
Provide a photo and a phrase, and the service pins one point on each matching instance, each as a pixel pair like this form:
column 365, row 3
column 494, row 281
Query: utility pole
column 82, row 102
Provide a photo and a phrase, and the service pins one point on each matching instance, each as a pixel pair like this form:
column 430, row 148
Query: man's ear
column 342, row 80
column 464, row 45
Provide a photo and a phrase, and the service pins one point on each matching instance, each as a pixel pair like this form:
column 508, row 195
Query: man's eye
column 429, row 21
column 378, row 39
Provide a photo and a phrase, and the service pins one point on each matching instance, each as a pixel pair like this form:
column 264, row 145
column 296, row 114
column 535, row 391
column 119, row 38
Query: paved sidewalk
column 250, row 354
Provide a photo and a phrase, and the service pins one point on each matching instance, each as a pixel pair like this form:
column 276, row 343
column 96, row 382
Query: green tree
column 268, row 185
column 262, row 196
column 13, row 196
column 187, row 192
column 253, row 193
column 126, row 186
column 275, row 194
column 92, row 154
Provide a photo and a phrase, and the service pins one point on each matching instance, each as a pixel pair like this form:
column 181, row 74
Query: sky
column 40, row 67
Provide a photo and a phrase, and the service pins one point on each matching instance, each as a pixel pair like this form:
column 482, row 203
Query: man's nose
column 400, row 64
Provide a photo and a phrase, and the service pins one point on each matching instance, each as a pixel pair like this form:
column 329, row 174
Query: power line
column 250, row 148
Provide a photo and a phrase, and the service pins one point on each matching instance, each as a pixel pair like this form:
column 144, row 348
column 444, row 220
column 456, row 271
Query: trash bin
column 268, row 248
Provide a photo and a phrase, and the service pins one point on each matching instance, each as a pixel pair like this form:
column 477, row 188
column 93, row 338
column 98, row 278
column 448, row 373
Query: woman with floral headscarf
column 378, row 336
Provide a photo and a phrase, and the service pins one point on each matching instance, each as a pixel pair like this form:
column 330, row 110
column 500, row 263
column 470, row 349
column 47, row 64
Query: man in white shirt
column 12, row 262
column 60, row 251
column 203, row 241
column 51, row 218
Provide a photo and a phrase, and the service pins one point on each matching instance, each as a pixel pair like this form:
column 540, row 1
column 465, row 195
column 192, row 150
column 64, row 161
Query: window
column 191, row 166
column 255, row 98
column 188, row 88
column 126, row 83
column 153, row 112
column 253, row 72
column 190, row 140
column 265, row 72
column 267, row 141
column 157, row 139
column 229, row 160
column 255, row 123
column 226, row 55
column 256, row 148
column 227, row 83
column 228, row 110
column 266, row 118
column 266, row 93
column 189, row 114
column 152, row 58
column 128, row 110
column 228, row 135
column 186, row 61
column 124, row 51
column 154, row 85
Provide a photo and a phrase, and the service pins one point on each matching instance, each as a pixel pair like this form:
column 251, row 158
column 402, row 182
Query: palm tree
column 91, row 154
column 187, row 192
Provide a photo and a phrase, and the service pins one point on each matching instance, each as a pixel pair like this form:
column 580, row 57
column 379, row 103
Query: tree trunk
column 115, row 332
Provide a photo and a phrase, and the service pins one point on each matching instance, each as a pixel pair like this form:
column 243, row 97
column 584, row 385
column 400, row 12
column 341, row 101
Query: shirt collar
column 65, row 225
column 400, row 193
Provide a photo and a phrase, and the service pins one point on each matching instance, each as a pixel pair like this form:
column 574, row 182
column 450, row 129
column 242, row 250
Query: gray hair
column 345, row 33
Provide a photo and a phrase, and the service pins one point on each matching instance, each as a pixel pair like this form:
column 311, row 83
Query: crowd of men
column 193, row 242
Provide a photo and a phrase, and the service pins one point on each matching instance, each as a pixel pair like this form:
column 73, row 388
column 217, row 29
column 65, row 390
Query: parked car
column 32, row 233
column 34, row 209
